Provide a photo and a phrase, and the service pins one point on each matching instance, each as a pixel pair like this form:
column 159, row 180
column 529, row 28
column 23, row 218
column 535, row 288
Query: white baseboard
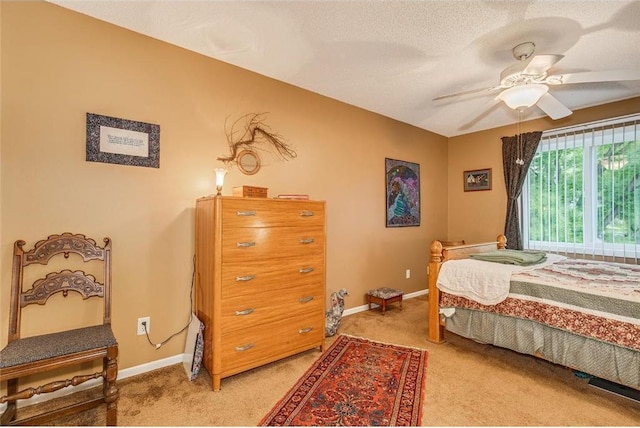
column 153, row 365
column 158, row 364
column 363, row 308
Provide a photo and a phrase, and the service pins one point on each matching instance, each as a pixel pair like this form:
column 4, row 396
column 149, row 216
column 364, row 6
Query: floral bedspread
column 590, row 298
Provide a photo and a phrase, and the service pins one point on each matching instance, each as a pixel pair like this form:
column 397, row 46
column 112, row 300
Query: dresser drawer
column 248, row 348
column 243, row 212
column 254, row 276
column 244, row 245
column 243, row 312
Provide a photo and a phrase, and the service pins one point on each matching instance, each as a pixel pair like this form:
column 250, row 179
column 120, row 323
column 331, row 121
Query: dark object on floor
column 78, row 347
column 614, row 388
column 581, row 375
column 384, row 296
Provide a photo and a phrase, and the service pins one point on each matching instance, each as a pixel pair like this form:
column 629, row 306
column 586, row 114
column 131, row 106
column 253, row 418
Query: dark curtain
column 514, row 175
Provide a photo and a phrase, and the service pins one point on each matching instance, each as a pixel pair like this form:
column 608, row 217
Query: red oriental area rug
column 356, row 382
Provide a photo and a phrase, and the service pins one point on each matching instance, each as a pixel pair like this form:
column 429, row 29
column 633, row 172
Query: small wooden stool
column 383, row 296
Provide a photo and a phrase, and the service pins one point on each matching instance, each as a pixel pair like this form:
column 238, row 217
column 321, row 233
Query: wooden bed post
column 436, row 330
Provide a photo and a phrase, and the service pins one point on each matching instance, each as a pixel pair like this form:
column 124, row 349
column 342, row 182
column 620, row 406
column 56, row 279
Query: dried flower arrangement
column 250, row 131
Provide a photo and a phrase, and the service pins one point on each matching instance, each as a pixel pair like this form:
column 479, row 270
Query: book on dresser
column 292, row 196
column 260, row 280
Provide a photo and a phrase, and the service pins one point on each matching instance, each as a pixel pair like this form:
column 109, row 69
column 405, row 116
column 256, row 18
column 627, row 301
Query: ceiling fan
column 526, row 83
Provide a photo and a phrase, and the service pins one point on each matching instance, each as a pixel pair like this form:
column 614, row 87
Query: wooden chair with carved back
column 28, row 356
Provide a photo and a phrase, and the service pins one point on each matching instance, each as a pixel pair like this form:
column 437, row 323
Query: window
column 582, row 192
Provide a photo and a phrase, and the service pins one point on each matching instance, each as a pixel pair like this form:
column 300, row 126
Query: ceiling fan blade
column 539, row 64
column 552, row 107
column 473, row 91
column 594, row 76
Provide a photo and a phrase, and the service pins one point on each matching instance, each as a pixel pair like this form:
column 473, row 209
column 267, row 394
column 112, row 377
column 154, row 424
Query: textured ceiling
column 394, row 57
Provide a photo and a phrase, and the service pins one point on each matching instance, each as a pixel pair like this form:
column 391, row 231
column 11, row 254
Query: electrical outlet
column 408, row 273
column 141, row 328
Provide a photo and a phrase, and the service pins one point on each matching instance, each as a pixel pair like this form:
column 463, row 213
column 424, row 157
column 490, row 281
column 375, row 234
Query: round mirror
column 248, row 162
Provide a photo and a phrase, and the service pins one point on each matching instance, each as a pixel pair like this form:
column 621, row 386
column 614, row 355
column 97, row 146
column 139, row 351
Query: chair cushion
column 385, row 293
column 37, row 348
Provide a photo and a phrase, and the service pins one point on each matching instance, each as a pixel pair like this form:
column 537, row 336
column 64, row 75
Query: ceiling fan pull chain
column 519, row 148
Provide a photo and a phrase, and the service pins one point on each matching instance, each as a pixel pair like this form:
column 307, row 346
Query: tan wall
column 58, row 65
column 479, row 216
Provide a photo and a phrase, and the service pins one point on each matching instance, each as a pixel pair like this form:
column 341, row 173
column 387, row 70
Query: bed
column 581, row 314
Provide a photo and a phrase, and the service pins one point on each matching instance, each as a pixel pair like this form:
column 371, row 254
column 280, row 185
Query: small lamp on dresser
column 220, row 173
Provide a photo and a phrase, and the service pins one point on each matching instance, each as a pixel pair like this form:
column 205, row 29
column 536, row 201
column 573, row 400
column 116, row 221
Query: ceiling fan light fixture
column 523, row 96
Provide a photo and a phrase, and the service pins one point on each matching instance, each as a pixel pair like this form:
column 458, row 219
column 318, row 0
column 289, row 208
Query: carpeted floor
column 467, row 384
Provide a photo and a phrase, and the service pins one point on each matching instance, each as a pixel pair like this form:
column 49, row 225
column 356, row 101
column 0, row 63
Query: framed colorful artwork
column 402, row 193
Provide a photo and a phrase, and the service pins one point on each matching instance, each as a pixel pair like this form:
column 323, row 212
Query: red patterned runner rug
column 356, row 382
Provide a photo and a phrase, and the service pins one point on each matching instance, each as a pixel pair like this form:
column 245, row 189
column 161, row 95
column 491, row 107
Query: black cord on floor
column 144, row 325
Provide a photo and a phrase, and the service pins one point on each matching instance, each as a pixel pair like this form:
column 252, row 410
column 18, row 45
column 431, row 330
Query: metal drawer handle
column 246, row 244
column 244, row 347
column 245, row 213
column 306, row 270
column 305, row 299
column 245, row 278
column 307, row 213
column 245, row 311
column 307, row 241
column 305, row 330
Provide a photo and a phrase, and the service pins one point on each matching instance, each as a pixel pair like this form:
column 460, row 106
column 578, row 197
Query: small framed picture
column 122, row 141
column 478, row 179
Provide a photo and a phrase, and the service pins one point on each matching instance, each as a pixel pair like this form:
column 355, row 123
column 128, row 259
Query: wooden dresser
column 260, row 280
